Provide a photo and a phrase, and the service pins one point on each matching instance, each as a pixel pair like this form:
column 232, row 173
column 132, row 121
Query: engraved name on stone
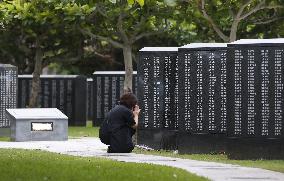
column 238, row 91
column 146, row 91
column 187, row 87
column 157, row 93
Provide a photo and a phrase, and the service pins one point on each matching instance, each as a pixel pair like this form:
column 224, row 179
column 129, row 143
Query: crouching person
column 121, row 125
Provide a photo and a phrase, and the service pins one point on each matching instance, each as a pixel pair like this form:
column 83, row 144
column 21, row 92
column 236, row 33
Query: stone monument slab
column 8, row 92
column 38, row 124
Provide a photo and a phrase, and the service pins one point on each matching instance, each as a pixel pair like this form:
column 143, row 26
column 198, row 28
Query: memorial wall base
column 158, row 139
column 255, row 148
column 201, row 143
column 98, row 122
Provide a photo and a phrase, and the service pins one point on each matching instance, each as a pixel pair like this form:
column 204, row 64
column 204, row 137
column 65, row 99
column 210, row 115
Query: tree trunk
column 234, row 30
column 127, row 54
column 36, row 75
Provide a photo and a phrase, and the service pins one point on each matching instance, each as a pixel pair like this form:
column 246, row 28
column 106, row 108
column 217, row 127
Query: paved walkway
column 89, row 147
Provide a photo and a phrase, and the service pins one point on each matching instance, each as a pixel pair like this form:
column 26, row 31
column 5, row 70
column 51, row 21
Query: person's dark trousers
column 121, row 141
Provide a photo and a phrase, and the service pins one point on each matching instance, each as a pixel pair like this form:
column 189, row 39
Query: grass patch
column 31, row 165
column 4, row 138
column 88, row 131
column 275, row 165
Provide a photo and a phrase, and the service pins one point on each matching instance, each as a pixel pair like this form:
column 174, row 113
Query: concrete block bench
column 38, row 124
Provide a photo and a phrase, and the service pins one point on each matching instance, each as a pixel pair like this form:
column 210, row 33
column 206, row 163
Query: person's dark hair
column 129, row 100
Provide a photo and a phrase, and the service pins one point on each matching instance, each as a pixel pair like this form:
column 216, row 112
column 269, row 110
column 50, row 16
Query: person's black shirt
column 121, row 120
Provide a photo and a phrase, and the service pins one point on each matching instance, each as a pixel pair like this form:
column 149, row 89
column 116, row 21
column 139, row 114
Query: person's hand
column 136, row 110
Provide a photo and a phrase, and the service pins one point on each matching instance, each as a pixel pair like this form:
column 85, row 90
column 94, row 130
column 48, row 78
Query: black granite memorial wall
column 90, row 99
column 64, row 92
column 108, row 87
column 8, row 94
column 157, row 95
column 255, row 99
column 202, row 98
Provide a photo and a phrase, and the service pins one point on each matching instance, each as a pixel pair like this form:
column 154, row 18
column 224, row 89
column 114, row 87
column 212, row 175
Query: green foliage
column 140, row 2
column 250, row 17
column 131, row 2
column 54, row 23
column 125, row 21
column 171, row 2
column 59, row 25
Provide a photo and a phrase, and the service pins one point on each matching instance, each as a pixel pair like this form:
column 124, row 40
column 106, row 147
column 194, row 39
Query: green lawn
column 275, row 165
column 4, row 138
column 88, row 131
column 27, row 165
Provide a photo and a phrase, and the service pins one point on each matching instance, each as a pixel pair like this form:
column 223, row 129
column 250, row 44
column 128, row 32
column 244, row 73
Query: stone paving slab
column 89, row 147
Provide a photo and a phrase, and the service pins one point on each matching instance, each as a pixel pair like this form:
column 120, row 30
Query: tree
column 225, row 17
column 44, row 28
column 122, row 23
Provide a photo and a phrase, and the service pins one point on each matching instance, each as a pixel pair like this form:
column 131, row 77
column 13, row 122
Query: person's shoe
column 108, row 149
